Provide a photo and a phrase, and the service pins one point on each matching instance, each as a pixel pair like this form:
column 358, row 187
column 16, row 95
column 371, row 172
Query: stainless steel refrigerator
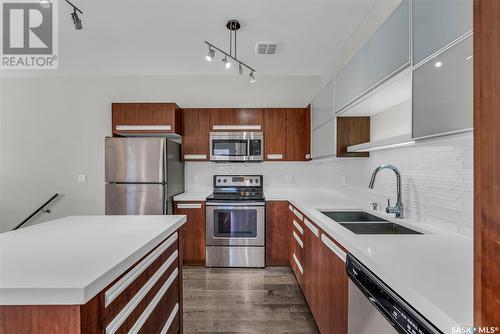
column 142, row 175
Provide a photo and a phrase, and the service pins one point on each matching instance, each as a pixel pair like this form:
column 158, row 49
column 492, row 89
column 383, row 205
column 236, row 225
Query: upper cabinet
column 236, row 119
column 275, row 134
column 436, row 24
column 297, row 136
column 195, row 139
column 383, row 55
column 152, row 118
column 442, row 92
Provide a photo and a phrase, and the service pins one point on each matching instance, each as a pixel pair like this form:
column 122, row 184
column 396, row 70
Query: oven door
column 235, row 225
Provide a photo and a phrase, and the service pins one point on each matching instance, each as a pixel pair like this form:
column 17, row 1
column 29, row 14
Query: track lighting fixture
column 252, row 77
column 211, row 54
column 77, row 22
column 233, row 26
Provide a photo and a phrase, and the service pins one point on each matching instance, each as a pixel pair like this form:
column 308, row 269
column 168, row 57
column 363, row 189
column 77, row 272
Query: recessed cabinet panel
column 437, row 24
column 322, row 107
column 383, row 54
column 442, row 92
column 323, row 140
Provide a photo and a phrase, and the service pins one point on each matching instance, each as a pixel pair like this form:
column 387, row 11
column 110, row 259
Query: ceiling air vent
column 266, row 48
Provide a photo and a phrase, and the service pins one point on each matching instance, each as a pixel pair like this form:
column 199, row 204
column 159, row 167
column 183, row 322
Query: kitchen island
column 92, row 274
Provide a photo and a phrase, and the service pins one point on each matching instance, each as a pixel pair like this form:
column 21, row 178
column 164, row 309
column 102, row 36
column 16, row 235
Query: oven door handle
column 229, row 205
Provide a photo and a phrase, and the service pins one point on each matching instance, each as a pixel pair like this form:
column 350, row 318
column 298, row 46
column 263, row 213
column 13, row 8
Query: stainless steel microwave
column 236, row 146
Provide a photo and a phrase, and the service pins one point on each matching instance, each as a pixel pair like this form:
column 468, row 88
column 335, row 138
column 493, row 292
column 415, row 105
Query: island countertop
column 70, row 260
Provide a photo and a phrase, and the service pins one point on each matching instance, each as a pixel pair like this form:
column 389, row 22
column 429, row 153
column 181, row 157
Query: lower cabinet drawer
column 144, row 298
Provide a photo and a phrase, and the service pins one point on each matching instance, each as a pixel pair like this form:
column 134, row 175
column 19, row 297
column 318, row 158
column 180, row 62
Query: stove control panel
column 238, row 181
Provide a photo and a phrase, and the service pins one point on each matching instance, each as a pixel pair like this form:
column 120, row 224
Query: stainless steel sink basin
column 352, row 216
column 360, row 222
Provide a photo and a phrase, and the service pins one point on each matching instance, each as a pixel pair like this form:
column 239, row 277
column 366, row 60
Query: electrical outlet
column 196, row 179
column 82, row 178
column 289, row 178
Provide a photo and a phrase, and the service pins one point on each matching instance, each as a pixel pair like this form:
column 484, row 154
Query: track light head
column 252, row 77
column 211, row 54
column 227, row 63
column 76, row 20
column 45, row 3
column 240, row 69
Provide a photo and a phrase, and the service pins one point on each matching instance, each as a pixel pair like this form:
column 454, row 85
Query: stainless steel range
column 235, row 222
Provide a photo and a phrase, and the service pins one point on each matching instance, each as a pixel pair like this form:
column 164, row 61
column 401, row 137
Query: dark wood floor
column 244, row 301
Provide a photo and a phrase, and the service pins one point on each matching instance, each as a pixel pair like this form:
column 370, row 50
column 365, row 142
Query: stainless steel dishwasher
column 375, row 309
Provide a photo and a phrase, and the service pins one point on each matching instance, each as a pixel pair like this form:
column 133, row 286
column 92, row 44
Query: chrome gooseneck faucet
column 398, row 208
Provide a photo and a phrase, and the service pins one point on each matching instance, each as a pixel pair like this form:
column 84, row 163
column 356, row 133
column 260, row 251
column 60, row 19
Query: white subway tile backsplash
column 437, row 178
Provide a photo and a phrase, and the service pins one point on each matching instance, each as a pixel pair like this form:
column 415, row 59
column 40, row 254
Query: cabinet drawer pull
column 115, row 324
column 275, row 157
column 298, row 264
column 151, row 306
column 237, row 127
column 308, row 156
column 188, row 205
column 313, row 228
column 301, row 244
column 333, row 247
column 290, row 207
column 298, row 214
column 195, row 157
column 126, row 280
column 170, row 319
column 144, row 128
column 298, row 227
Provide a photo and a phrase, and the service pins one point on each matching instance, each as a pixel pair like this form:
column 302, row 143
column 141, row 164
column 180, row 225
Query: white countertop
column 69, row 260
column 433, row 272
column 199, row 195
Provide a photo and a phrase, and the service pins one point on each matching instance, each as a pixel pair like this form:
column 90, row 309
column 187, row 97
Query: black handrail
column 41, row 208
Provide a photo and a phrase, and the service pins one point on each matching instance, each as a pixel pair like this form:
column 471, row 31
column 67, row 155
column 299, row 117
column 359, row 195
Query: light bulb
column 438, row 64
column 210, row 55
column 45, row 3
column 252, row 77
column 227, row 64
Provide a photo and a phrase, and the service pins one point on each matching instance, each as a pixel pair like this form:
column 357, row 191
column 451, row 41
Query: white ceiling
column 166, row 37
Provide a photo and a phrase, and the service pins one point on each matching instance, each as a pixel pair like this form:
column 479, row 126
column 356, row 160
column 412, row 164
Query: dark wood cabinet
column 193, row 232
column 236, row 119
column 333, row 284
column 298, row 134
column 195, row 139
column 296, row 252
column 352, row 131
column 275, row 134
column 312, row 248
column 277, row 233
column 136, row 118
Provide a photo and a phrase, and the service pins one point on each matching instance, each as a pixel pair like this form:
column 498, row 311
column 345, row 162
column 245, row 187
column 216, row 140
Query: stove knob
column 218, row 181
column 251, row 180
column 225, row 180
column 256, row 180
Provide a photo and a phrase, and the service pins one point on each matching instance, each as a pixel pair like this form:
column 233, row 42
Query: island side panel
column 28, row 319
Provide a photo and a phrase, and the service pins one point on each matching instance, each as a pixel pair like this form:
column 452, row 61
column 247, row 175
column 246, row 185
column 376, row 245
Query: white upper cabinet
column 323, row 141
column 383, row 55
column 442, row 92
column 436, row 24
column 322, row 107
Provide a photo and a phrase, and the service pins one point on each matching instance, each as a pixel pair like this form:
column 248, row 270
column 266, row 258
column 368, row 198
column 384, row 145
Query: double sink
column 360, row 222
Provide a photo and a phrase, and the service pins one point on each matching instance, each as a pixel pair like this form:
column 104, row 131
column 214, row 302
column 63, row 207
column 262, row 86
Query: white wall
column 52, row 129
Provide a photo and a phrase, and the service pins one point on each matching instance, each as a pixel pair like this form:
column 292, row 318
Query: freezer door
column 135, row 199
column 135, row 160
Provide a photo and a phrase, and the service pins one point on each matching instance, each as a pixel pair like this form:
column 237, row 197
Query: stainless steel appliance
column 235, row 222
column 142, row 175
column 375, row 308
column 236, row 146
